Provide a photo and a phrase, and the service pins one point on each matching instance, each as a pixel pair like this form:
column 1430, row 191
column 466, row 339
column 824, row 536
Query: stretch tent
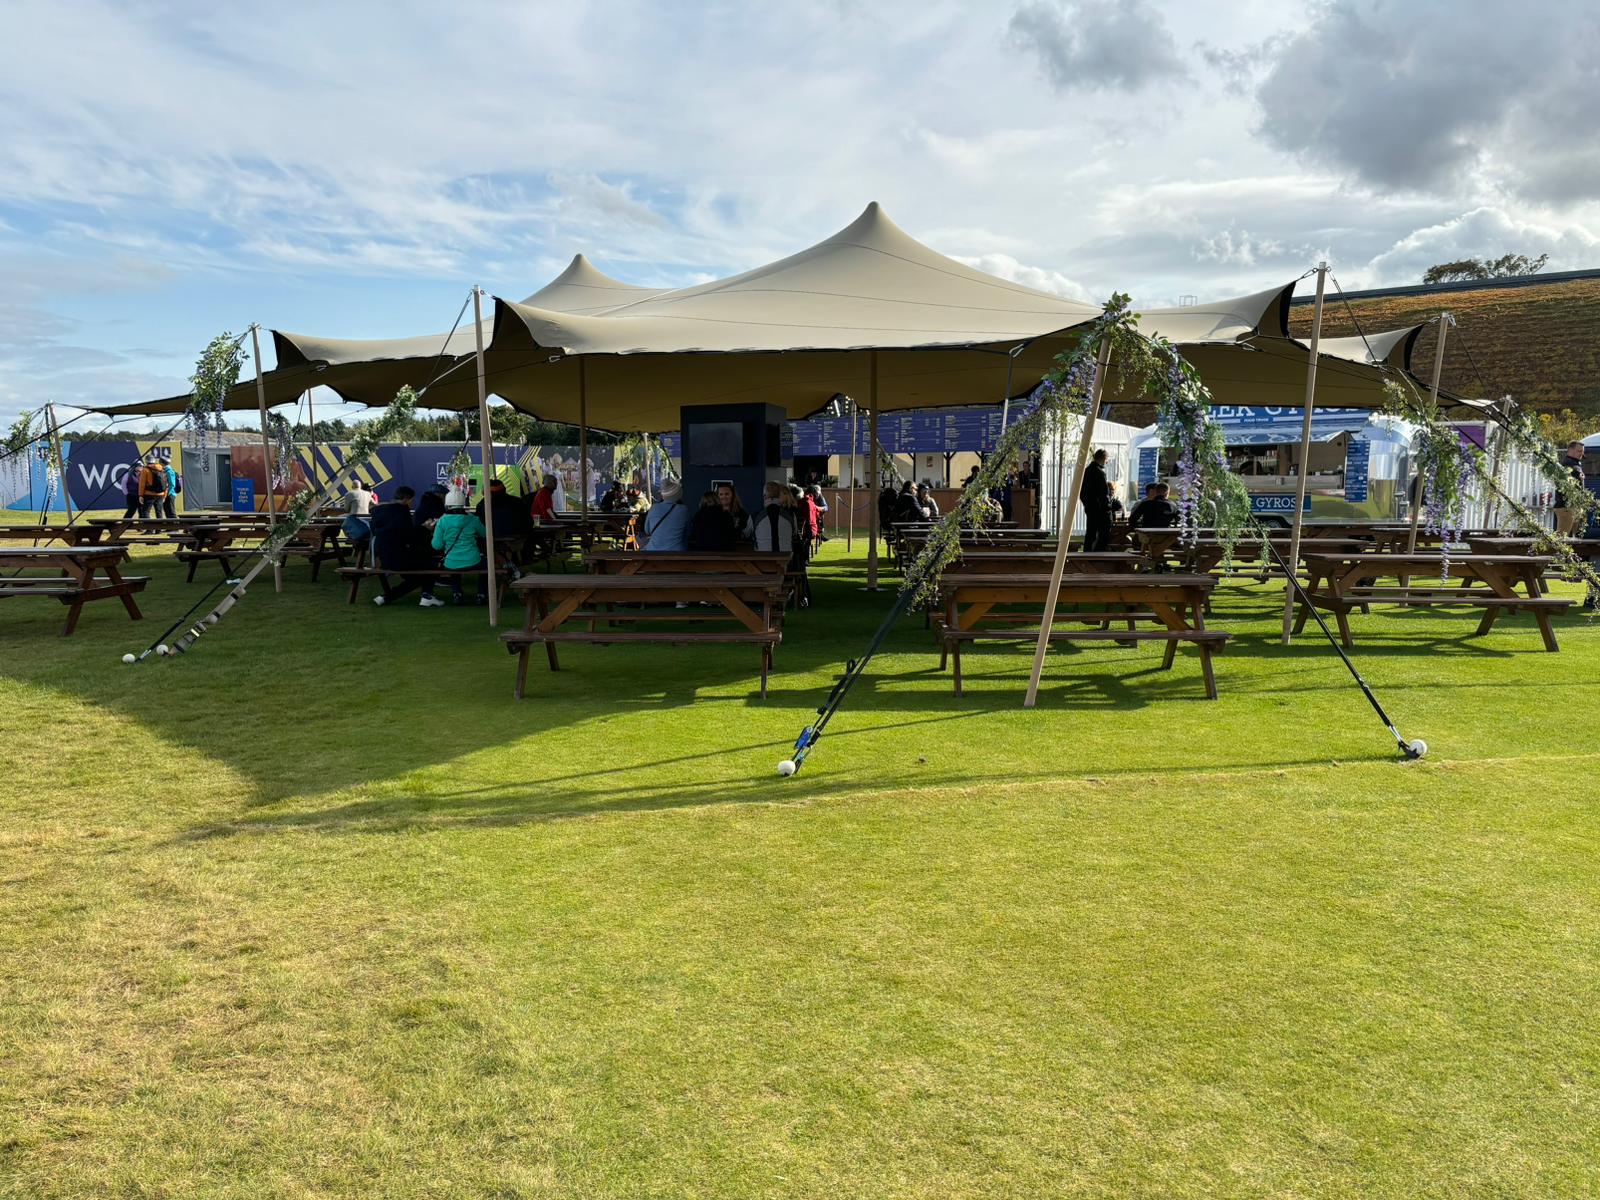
column 371, row 371
column 869, row 312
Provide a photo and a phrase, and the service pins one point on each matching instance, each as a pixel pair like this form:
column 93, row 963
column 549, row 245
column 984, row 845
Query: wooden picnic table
column 73, row 580
column 1176, row 603
column 1347, row 581
column 1507, row 544
column 705, row 562
column 1024, row 561
column 317, row 541
column 72, row 534
column 744, row 608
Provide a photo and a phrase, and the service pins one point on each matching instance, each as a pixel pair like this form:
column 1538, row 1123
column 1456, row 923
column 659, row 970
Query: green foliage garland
column 1145, row 365
column 215, row 373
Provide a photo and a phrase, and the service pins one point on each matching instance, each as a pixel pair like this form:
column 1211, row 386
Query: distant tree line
column 1504, row 267
column 510, row 426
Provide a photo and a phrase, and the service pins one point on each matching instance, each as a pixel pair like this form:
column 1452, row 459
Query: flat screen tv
column 717, row 444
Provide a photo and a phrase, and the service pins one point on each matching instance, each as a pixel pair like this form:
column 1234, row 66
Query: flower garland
column 459, row 473
column 18, row 461
column 215, row 373
column 282, row 435
column 1148, row 366
column 1451, row 473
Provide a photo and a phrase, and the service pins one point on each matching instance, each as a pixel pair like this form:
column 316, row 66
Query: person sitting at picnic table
column 1155, row 511
column 152, row 488
column 130, row 490
column 728, row 498
column 926, row 502
column 711, row 527
column 1572, row 463
column 357, row 508
column 888, row 502
column 457, row 535
column 430, row 507
column 907, row 510
column 510, row 519
column 543, row 507
column 666, row 525
column 777, row 529
column 400, row 546
column 1116, row 502
column 615, row 499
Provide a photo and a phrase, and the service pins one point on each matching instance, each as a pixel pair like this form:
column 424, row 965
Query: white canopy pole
column 311, row 426
column 266, row 454
column 1064, row 526
column 1292, row 563
column 1445, row 321
column 583, row 443
column 486, row 448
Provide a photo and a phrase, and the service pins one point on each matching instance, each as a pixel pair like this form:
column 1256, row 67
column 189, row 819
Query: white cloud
column 1039, row 278
column 1481, row 233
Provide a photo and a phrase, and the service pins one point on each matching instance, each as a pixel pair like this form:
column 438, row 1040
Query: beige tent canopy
column 371, row 371
column 868, row 305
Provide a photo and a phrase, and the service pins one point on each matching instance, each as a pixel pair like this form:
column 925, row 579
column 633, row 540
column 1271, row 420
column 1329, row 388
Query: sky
column 172, row 170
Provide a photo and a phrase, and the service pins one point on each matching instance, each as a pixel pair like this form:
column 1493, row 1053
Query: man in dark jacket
column 1096, row 497
column 1155, row 511
column 1567, row 518
column 397, row 545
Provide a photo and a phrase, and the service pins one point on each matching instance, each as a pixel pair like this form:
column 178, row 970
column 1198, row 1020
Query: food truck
column 1359, row 462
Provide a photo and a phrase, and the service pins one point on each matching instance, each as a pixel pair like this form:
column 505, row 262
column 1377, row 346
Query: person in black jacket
column 430, row 507
column 711, row 527
column 1096, row 495
column 397, row 546
column 1155, row 511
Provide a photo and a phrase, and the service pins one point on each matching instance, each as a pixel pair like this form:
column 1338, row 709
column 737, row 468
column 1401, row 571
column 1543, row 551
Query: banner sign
column 1276, row 503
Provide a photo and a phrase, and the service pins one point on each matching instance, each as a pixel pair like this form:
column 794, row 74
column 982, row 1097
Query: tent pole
column 850, row 530
column 55, row 439
column 583, row 441
column 311, row 425
column 266, row 454
column 1292, row 563
column 486, row 444
column 872, row 473
column 1433, row 395
column 1047, row 619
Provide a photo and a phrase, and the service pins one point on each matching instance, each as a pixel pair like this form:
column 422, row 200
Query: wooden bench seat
column 356, row 574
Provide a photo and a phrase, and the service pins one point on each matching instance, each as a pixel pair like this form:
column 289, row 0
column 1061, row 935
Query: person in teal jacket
column 459, row 535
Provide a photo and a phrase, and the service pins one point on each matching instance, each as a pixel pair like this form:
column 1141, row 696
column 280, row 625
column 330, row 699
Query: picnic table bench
column 74, row 581
column 224, row 542
column 1511, row 544
column 982, row 608
column 74, row 534
column 1347, row 581
column 745, row 608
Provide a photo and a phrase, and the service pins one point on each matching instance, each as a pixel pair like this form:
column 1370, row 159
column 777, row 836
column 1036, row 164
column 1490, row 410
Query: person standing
column 169, row 506
column 152, row 488
column 1096, row 498
column 130, row 489
column 1572, row 463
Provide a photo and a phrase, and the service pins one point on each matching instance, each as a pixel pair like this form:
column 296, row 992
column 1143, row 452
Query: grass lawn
column 318, row 910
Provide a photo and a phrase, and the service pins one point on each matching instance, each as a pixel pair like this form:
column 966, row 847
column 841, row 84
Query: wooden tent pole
column 266, row 454
column 850, row 530
column 872, row 472
column 1064, row 526
column 583, row 441
column 486, row 446
column 1493, row 512
column 1445, row 321
column 311, row 426
column 1292, row 563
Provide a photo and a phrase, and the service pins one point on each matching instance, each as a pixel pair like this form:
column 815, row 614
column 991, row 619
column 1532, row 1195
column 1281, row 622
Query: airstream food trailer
column 1357, row 470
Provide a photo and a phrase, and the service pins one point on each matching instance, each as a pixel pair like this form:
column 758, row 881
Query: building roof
column 1536, row 337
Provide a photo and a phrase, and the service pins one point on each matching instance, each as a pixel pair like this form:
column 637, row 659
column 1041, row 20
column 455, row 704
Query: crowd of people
column 419, row 537
column 151, row 489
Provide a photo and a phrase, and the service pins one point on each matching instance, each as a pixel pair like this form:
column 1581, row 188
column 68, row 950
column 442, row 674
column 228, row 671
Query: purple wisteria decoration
column 215, row 373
